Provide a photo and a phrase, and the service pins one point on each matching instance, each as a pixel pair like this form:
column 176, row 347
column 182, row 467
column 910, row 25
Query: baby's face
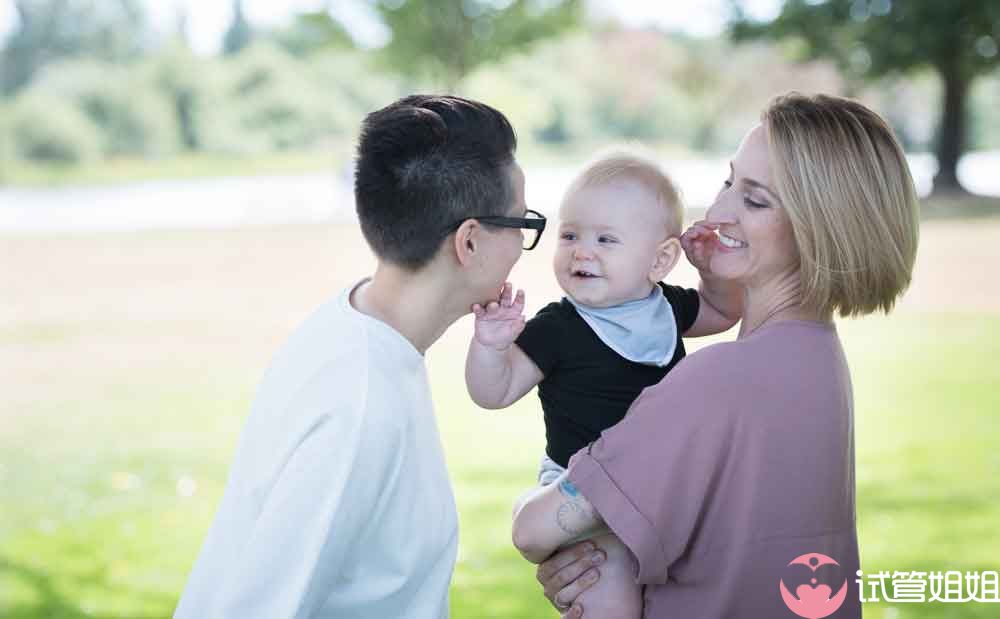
column 608, row 239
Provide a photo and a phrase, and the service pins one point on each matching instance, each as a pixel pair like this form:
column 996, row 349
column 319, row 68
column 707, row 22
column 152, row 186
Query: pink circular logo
column 814, row 600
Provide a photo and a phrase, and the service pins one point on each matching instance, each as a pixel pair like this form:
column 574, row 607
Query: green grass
column 93, row 523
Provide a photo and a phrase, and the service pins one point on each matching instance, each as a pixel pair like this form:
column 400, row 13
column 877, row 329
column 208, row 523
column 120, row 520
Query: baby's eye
column 607, row 239
column 567, row 236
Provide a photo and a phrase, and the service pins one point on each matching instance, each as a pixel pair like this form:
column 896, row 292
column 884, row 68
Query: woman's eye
column 753, row 203
column 727, row 183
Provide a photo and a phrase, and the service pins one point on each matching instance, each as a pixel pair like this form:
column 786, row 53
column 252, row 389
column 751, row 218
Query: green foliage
column 50, row 30
column 239, row 34
column 275, row 101
column 583, row 89
column 985, row 122
column 871, row 38
column 310, row 33
column 132, row 118
column 46, row 128
column 186, row 84
column 446, row 40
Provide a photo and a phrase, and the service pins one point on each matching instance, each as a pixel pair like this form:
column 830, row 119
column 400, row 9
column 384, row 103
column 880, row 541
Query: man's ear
column 667, row 255
column 466, row 241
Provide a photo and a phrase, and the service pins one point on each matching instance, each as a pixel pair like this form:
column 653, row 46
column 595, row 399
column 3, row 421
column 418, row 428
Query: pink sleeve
column 651, row 475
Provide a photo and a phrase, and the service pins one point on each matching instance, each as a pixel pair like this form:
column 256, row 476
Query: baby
column 617, row 331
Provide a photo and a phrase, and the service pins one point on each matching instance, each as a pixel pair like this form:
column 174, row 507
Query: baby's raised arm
column 497, row 372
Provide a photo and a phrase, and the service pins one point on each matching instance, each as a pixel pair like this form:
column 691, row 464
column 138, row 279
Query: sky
column 208, row 19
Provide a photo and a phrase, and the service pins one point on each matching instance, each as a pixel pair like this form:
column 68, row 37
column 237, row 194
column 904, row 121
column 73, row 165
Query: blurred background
column 175, row 197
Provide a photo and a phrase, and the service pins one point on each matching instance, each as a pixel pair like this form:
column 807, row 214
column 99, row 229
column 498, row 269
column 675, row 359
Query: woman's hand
column 568, row 573
column 699, row 243
column 500, row 322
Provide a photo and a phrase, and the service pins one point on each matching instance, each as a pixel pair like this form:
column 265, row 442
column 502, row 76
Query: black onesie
column 587, row 386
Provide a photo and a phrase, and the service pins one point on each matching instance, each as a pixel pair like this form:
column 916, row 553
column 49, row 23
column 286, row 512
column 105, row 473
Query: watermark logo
column 952, row 587
column 813, row 600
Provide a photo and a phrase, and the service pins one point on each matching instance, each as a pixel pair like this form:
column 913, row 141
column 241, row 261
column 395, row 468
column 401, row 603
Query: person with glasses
column 616, row 331
column 338, row 503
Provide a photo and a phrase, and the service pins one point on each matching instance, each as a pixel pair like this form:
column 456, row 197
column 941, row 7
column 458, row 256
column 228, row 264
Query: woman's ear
column 667, row 255
column 466, row 241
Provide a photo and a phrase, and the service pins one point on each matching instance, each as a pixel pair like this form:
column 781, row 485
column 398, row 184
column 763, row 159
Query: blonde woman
column 732, row 480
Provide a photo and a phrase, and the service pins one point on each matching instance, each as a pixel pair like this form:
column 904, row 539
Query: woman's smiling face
column 756, row 241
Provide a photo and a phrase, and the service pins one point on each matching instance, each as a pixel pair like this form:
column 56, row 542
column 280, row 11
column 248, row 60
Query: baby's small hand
column 500, row 322
column 699, row 243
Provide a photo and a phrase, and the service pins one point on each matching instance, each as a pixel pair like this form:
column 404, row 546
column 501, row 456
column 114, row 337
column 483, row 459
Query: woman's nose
column 721, row 211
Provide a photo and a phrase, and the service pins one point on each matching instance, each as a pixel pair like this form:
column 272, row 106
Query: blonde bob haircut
column 842, row 178
column 633, row 164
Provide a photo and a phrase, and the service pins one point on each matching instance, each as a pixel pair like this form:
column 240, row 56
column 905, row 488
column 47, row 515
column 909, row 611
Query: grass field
column 127, row 364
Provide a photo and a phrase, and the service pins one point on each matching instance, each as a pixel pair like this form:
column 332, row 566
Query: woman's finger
column 563, row 558
column 563, row 579
column 568, row 594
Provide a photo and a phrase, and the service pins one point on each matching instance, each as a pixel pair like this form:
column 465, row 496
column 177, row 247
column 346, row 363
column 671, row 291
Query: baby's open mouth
column 583, row 273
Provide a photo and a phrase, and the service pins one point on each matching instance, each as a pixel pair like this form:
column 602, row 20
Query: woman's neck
column 773, row 302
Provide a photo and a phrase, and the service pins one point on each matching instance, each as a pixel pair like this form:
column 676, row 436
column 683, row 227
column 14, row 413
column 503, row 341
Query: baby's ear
column 667, row 254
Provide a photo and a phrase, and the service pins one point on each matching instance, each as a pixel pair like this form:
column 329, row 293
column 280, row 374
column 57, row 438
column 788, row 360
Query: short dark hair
column 425, row 162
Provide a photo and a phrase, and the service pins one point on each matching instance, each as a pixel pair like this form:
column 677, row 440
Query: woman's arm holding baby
column 497, row 372
column 721, row 300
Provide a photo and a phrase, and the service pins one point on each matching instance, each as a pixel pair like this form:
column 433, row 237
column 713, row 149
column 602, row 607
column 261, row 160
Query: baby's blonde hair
column 629, row 163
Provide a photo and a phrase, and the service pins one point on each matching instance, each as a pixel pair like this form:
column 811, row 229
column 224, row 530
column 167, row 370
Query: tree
column 957, row 39
column 313, row 32
column 447, row 39
column 49, row 30
column 239, row 34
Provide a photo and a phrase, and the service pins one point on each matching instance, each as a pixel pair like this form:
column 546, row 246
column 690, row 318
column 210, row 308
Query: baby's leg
column 616, row 594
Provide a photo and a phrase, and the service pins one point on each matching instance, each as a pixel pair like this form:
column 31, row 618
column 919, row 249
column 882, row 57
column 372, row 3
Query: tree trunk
column 951, row 131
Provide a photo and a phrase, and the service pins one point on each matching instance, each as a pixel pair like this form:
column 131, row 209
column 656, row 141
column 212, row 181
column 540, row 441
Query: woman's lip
column 722, row 244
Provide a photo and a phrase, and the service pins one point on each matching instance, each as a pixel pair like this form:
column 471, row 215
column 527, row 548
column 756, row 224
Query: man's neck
column 417, row 305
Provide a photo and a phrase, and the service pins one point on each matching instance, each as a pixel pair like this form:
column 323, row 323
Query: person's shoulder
column 713, row 357
column 795, row 343
column 705, row 375
column 327, row 344
column 329, row 333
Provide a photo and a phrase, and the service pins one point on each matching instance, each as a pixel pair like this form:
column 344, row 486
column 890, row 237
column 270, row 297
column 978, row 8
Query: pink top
column 737, row 463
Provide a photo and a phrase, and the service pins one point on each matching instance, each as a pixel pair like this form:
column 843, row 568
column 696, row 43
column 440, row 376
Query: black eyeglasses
column 533, row 222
